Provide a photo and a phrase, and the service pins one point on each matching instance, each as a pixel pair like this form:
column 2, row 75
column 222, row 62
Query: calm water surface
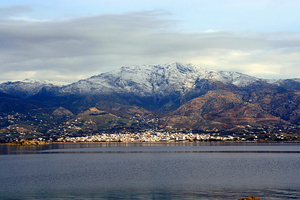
column 150, row 171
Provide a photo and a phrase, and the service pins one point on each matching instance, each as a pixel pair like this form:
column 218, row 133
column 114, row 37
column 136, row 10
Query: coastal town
column 164, row 136
column 147, row 136
column 41, row 128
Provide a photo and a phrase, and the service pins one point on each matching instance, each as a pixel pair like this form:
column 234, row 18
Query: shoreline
column 27, row 143
column 34, row 143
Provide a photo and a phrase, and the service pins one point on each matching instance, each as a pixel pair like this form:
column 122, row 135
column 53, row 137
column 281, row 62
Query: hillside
column 170, row 95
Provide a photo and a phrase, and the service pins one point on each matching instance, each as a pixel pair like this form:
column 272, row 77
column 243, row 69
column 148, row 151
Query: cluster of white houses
column 148, row 136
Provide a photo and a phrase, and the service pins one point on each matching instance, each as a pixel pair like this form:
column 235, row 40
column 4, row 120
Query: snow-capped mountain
column 148, row 79
column 190, row 92
column 28, row 87
column 45, row 82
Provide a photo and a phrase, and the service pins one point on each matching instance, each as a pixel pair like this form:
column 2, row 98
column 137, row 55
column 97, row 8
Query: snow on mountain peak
column 44, row 82
column 143, row 80
column 148, row 79
column 27, row 87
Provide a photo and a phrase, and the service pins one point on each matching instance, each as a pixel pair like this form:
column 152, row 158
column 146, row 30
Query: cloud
column 14, row 10
column 71, row 49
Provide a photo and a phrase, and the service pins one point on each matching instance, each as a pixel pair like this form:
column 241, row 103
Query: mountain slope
column 220, row 109
column 171, row 94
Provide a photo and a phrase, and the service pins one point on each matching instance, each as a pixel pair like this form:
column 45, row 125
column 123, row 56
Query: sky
column 69, row 40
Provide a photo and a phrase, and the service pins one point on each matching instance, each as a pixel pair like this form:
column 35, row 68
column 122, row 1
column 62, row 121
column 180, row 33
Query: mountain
column 154, row 87
column 154, row 79
column 139, row 80
column 10, row 104
column 288, row 83
column 174, row 94
column 221, row 109
column 157, row 87
column 28, row 88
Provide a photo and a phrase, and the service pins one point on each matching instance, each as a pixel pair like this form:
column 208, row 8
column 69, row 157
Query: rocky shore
column 250, row 198
column 27, row 142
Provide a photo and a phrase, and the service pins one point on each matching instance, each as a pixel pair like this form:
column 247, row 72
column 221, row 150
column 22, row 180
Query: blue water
column 150, row 171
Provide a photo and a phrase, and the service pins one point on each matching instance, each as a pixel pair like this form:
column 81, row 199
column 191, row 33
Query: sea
column 207, row 170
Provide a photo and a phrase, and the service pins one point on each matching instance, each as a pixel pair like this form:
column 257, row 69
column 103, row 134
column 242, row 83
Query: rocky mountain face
column 179, row 95
column 221, row 109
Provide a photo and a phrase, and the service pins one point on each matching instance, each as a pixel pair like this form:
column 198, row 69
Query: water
column 150, row 171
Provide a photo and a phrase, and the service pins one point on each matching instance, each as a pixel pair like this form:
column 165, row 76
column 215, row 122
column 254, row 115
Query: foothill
column 19, row 127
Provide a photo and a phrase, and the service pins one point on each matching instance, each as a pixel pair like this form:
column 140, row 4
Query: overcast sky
column 68, row 40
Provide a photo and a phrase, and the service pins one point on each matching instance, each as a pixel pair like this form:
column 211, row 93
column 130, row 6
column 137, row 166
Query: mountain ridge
column 170, row 93
column 121, row 80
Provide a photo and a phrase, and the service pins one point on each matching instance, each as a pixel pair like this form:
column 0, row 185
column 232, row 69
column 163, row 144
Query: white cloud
column 71, row 49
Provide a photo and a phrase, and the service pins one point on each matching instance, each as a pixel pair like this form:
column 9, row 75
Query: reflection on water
column 214, row 194
column 191, row 147
column 150, row 171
